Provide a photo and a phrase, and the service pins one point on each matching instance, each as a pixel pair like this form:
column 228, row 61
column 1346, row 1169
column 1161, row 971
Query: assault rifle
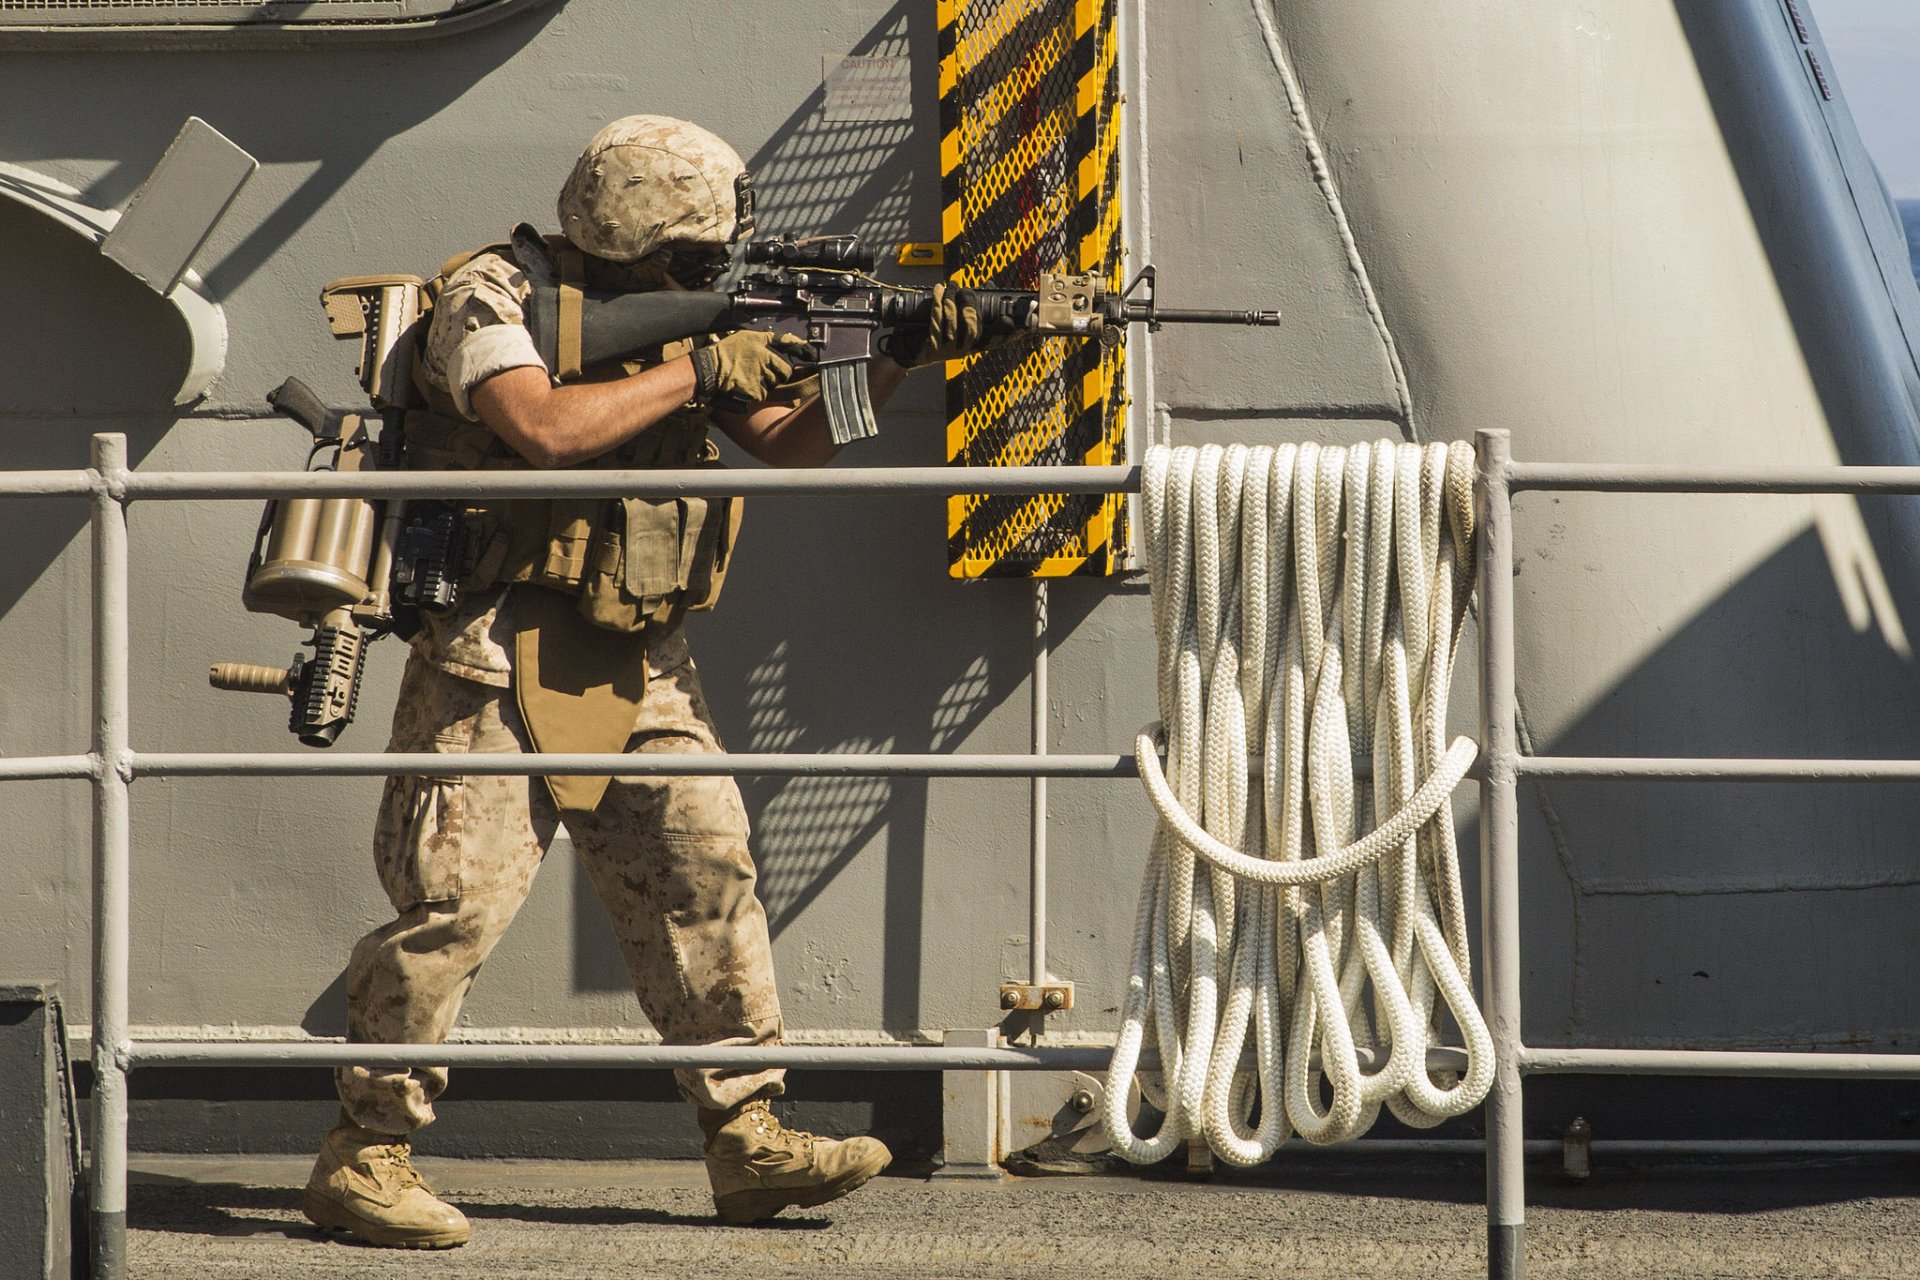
column 821, row 289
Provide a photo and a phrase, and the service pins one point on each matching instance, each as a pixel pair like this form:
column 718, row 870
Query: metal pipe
column 1653, row 478
column 1569, row 477
column 112, row 913
column 1622, row 1148
column 21, row 768
column 1500, row 861
column 664, row 483
column 669, row 764
column 1136, row 219
column 217, row 764
column 45, row 484
column 1720, row 1062
column 1748, row 1147
column 931, row 480
column 838, row 1057
column 1037, row 800
column 663, row 1057
column 1718, row 769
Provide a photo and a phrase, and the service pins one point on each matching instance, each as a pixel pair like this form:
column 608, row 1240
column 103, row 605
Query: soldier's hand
column 747, row 366
column 955, row 329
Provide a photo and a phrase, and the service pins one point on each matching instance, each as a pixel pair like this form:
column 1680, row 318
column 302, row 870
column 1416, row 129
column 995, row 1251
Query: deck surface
column 201, row 1218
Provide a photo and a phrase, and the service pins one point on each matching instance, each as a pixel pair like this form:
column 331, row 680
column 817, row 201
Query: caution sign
column 1030, row 163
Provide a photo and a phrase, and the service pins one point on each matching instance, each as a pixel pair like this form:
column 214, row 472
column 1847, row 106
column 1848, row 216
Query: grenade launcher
column 821, row 289
column 352, row 569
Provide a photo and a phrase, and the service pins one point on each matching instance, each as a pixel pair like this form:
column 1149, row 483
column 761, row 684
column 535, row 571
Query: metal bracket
column 206, row 323
column 1036, row 997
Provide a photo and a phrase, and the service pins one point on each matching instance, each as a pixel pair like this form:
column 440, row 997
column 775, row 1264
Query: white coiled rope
column 1307, row 601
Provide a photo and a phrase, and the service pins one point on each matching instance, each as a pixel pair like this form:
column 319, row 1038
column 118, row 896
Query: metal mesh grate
column 1030, row 114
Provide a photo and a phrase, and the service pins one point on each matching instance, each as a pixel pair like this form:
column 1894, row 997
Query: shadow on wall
column 776, row 665
column 79, row 338
column 923, row 680
column 816, row 175
column 327, row 110
column 1708, row 913
column 1832, row 239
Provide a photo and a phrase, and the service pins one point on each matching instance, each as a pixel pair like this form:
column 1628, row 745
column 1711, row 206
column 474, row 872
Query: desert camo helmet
column 647, row 181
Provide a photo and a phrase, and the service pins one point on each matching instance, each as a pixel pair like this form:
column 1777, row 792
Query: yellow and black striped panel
column 1029, row 164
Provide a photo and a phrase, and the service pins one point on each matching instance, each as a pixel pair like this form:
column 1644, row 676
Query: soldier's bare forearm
column 553, row 426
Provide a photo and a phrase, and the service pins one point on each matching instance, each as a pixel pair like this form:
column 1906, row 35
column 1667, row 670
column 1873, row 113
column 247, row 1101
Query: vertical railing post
column 112, row 918
column 1500, row 862
column 1037, row 795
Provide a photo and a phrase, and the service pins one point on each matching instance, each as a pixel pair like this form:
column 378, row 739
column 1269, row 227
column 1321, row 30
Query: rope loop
column 1308, row 601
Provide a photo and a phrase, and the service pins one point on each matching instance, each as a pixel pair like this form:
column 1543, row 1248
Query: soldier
column 567, row 638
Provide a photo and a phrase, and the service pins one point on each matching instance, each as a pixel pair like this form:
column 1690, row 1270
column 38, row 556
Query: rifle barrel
column 1174, row 315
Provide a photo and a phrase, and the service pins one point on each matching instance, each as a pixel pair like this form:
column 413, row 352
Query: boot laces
column 394, row 1161
column 767, row 1127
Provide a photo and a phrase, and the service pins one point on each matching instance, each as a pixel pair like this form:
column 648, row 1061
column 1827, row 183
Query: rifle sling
column 573, row 272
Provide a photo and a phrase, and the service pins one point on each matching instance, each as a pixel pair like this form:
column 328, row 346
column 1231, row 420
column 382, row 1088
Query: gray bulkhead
column 1622, row 230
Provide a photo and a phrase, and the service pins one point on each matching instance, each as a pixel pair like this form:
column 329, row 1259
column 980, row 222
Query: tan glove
column 747, row 365
column 954, row 330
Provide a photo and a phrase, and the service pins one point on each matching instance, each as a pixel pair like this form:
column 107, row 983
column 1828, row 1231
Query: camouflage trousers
column 457, row 855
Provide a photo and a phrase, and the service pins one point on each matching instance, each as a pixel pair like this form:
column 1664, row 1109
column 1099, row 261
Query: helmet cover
column 645, row 181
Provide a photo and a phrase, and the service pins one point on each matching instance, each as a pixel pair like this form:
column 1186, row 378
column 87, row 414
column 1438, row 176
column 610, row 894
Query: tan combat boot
column 364, row 1183
column 758, row 1168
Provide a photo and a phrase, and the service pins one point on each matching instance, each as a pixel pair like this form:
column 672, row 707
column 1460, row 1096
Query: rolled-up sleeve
column 494, row 349
column 478, row 329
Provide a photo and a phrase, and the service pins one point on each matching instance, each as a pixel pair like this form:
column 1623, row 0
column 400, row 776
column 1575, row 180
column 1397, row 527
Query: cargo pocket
column 417, row 845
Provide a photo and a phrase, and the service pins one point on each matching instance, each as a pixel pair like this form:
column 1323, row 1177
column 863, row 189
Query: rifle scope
column 824, row 253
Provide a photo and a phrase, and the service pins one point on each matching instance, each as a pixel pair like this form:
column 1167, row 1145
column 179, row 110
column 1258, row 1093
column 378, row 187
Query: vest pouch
column 507, row 542
column 709, row 550
column 571, row 525
column 633, row 576
column 655, row 531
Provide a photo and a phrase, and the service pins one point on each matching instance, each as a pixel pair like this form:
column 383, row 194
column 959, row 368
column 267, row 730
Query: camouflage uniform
column 456, row 855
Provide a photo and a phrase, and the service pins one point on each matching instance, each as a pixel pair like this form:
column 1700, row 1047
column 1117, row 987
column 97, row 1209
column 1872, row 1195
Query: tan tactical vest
column 630, row 563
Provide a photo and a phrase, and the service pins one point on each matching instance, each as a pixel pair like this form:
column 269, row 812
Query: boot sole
column 330, row 1215
column 741, row 1208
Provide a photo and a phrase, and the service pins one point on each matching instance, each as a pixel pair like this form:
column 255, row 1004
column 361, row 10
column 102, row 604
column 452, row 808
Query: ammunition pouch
column 631, row 563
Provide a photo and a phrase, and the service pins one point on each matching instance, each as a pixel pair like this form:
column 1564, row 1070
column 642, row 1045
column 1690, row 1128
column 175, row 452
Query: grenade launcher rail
column 820, row 289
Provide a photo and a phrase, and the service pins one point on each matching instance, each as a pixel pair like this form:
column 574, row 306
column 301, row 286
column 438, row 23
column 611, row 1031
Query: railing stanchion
column 1037, row 795
column 1500, row 864
column 112, row 915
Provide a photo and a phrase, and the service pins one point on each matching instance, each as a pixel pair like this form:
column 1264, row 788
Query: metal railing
column 1499, row 478
column 113, row 766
